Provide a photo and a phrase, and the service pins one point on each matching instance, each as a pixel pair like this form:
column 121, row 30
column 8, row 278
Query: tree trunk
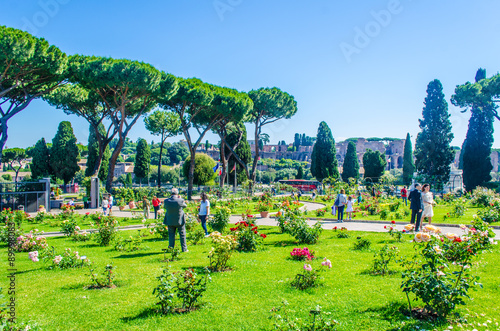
column 3, row 136
column 112, row 162
column 159, row 162
column 191, row 175
column 223, row 161
column 256, row 159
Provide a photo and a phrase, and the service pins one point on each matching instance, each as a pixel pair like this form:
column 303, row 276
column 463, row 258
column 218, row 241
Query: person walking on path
column 416, row 206
column 350, row 208
column 204, row 212
column 105, row 205
column 175, row 219
column 156, row 206
column 146, row 206
column 404, row 195
column 428, row 200
column 111, row 201
column 341, row 201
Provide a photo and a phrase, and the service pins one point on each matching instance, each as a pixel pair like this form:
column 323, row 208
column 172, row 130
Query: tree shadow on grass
column 92, row 245
column 87, row 286
column 27, row 271
column 285, row 243
column 370, row 272
column 155, row 239
column 144, row 314
column 152, row 311
column 131, row 256
column 398, row 315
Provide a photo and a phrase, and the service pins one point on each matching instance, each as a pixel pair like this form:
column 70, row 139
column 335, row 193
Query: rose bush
column 440, row 272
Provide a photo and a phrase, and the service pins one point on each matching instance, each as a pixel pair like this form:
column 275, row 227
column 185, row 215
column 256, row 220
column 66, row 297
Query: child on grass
column 350, row 208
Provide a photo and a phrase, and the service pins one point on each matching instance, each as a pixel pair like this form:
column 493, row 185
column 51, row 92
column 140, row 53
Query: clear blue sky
column 376, row 90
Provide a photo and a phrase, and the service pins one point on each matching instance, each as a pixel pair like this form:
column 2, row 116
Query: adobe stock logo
column 221, row 7
column 49, row 9
column 363, row 36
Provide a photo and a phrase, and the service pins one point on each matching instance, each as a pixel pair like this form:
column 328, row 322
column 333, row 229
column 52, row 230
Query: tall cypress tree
column 433, row 152
column 461, row 157
column 351, row 164
column 64, row 153
column 408, row 164
column 142, row 159
column 324, row 162
column 476, row 152
column 93, row 147
column 40, row 164
column 374, row 164
column 300, row 173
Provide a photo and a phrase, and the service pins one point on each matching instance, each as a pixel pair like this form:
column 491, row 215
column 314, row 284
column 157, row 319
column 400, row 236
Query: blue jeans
column 405, row 199
column 203, row 219
column 340, row 211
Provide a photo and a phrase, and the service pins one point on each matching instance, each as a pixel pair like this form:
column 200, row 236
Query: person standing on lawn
column 204, row 212
column 175, row 219
column 428, row 200
column 146, row 207
column 404, row 195
column 416, row 206
column 156, row 206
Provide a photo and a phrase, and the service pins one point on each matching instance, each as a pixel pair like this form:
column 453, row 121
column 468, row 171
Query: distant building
column 123, row 168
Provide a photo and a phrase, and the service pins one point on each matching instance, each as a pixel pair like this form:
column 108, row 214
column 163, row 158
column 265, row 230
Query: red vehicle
column 302, row 184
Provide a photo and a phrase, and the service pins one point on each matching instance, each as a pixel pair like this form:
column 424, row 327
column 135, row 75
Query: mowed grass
column 235, row 300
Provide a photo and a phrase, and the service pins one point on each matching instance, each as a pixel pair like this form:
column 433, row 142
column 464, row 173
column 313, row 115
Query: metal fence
column 24, row 195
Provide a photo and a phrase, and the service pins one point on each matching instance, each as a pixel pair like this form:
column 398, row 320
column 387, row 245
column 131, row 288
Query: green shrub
column 440, row 272
column 304, row 233
column 105, row 229
column 384, row 214
column 220, row 219
column 483, row 197
column 283, row 320
column 130, row 244
column 221, row 251
column 68, row 227
column 103, row 280
column 180, row 291
column 362, row 244
column 382, row 259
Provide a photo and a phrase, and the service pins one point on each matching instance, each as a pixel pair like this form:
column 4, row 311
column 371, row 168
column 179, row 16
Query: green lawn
column 236, row 300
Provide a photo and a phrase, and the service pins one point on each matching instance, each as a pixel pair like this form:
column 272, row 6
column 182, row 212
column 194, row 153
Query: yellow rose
column 450, row 235
column 409, row 227
column 422, row 236
column 426, row 237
